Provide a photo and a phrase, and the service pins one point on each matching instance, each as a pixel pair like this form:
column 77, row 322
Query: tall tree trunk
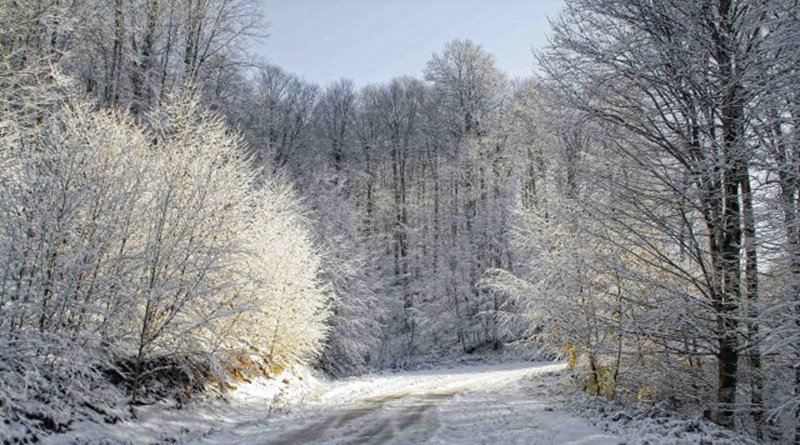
column 436, row 211
column 787, row 155
column 752, row 298
column 140, row 74
column 370, row 204
column 408, row 303
column 731, row 116
column 194, row 26
column 115, row 70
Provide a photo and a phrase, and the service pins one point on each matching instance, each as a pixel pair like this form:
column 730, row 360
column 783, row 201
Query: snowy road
column 499, row 404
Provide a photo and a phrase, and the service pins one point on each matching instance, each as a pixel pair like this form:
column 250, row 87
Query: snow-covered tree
column 130, row 249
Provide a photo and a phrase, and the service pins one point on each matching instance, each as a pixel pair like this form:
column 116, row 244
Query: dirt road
column 495, row 405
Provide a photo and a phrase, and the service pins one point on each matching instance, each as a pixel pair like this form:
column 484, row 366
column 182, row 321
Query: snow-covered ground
column 511, row 403
column 472, row 405
column 464, row 405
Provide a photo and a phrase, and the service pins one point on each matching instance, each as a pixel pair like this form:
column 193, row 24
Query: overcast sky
column 372, row 41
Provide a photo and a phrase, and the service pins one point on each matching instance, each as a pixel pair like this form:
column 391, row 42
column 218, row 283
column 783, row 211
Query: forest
column 177, row 215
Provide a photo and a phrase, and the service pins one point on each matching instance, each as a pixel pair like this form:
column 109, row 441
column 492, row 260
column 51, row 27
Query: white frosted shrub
column 133, row 250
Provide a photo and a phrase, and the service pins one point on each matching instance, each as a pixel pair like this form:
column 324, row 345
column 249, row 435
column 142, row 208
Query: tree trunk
column 115, row 70
column 752, row 298
column 731, row 115
column 140, row 73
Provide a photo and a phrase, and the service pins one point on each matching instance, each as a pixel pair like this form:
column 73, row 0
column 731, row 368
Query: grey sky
column 374, row 40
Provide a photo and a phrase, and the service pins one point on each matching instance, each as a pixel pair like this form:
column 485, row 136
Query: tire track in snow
column 489, row 404
column 417, row 414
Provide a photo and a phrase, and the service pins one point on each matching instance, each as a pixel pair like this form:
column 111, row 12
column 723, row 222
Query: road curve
column 494, row 405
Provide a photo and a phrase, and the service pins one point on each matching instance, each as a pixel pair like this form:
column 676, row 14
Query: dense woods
column 175, row 214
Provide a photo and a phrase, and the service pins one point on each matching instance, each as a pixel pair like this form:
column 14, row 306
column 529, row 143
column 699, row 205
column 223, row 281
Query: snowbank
column 642, row 424
column 164, row 422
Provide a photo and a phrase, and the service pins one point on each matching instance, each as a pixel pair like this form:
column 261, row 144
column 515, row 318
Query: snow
column 253, row 402
column 509, row 403
column 476, row 404
column 469, row 404
column 652, row 425
column 644, row 423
